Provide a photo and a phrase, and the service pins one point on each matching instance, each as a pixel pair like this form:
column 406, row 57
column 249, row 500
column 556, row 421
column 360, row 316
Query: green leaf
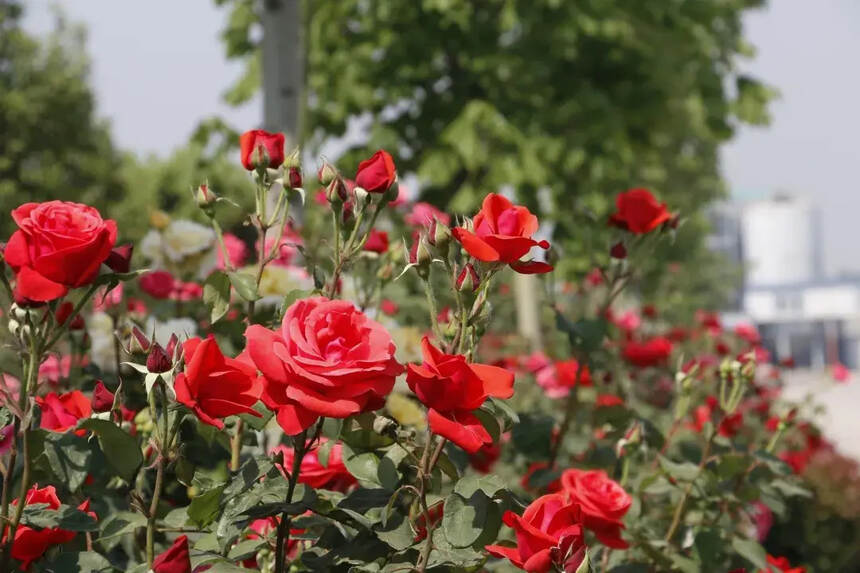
column 120, row 448
column 586, row 334
column 790, row 489
column 248, row 475
column 65, row 517
column 120, row 523
column 216, row 295
column 397, row 533
column 684, row 471
column 709, row 545
column 245, row 285
column 464, row 519
column 369, row 468
column 84, row 562
column 204, row 508
column 69, row 457
column 258, row 423
column 489, row 484
column 750, row 550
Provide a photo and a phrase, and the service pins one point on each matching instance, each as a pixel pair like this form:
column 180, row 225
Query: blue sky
column 159, row 67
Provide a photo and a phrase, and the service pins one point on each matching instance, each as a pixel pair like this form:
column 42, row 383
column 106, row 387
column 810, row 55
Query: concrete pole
column 283, row 67
column 526, row 291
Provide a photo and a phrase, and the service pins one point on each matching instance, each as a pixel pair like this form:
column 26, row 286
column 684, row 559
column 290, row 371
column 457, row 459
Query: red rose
column 333, row 476
column 389, row 307
column 257, row 145
column 377, row 174
column 214, row 386
column 652, row 352
column 175, row 560
column 377, row 241
column 157, row 284
column 102, row 400
column 29, row 543
column 549, row 536
column 62, row 411
column 503, row 233
column 604, row 502
column 327, row 359
column 639, row 212
column 59, row 245
column 781, row 565
column 452, row 388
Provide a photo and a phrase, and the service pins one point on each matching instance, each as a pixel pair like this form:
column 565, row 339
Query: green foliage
column 53, row 146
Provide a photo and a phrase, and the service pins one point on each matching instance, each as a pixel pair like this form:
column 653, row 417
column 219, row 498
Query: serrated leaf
column 216, row 295
column 204, row 508
column 245, row 285
column 121, row 449
column 683, row 471
column 750, row 550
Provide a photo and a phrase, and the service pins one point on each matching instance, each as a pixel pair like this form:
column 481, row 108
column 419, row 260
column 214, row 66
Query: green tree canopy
column 53, row 146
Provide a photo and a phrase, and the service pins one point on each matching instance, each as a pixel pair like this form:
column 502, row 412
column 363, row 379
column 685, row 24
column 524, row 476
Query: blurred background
column 740, row 114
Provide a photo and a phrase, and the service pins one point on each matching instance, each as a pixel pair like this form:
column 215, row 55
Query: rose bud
column 141, row 339
column 119, row 259
column 618, row 251
column 158, row 361
column 327, row 173
column 102, row 400
column 439, row 235
column 295, row 177
column 261, row 149
column 336, row 192
column 467, row 280
column 377, row 174
column 204, row 196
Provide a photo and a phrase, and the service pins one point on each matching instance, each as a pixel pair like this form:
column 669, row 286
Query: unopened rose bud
column 361, row 197
column 295, row 178
column 618, row 251
column 158, row 361
column 336, row 192
column 14, row 326
column 423, row 256
column 204, row 196
column 439, row 234
column 140, row 338
column 467, row 280
column 294, row 159
column 327, row 173
column 260, row 157
column 19, row 313
column 102, row 400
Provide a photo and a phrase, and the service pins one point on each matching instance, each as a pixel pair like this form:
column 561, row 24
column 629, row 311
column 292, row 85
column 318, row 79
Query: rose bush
column 344, row 392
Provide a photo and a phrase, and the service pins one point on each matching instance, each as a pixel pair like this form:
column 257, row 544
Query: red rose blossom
column 377, row 241
column 30, row 543
column 604, row 502
column 503, row 233
column 214, row 386
column 549, row 536
column 452, row 388
column 332, row 476
column 61, row 412
column 327, row 359
column 652, row 352
column 58, row 245
column 377, row 174
column 780, row 565
column 639, row 212
column 558, row 379
column 257, row 143
column 175, row 560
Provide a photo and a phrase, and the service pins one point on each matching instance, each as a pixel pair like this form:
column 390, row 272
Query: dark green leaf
column 64, row 517
column 204, row 508
column 84, row 562
column 750, row 550
column 69, row 457
column 121, row 450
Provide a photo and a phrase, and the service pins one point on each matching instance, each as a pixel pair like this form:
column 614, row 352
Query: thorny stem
column 23, row 403
column 162, row 453
column 428, row 461
column 679, row 509
column 286, row 519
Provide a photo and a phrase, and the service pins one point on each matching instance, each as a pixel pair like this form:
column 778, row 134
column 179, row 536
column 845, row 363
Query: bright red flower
column 423, row 214
column 175, row 560
column 653, row 352
column 608, row 401
column 389, row 307
column 604, row 503
column 102, row 400
column 30, row 543
column 558, row 379
column 327, row 359
column 377, row 174
column 452, row 388
column 257, row 144
column 214, row 386
column 639, row 212
column 61, row 412
column 377, row 241
column 780, row 565
column 333, row 476
column 549, row 536
column 58, row 245
column 749, row 333
column 503, row 233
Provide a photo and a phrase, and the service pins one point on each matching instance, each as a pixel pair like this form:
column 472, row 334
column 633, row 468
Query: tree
column 566, row 103
column 53, row 146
